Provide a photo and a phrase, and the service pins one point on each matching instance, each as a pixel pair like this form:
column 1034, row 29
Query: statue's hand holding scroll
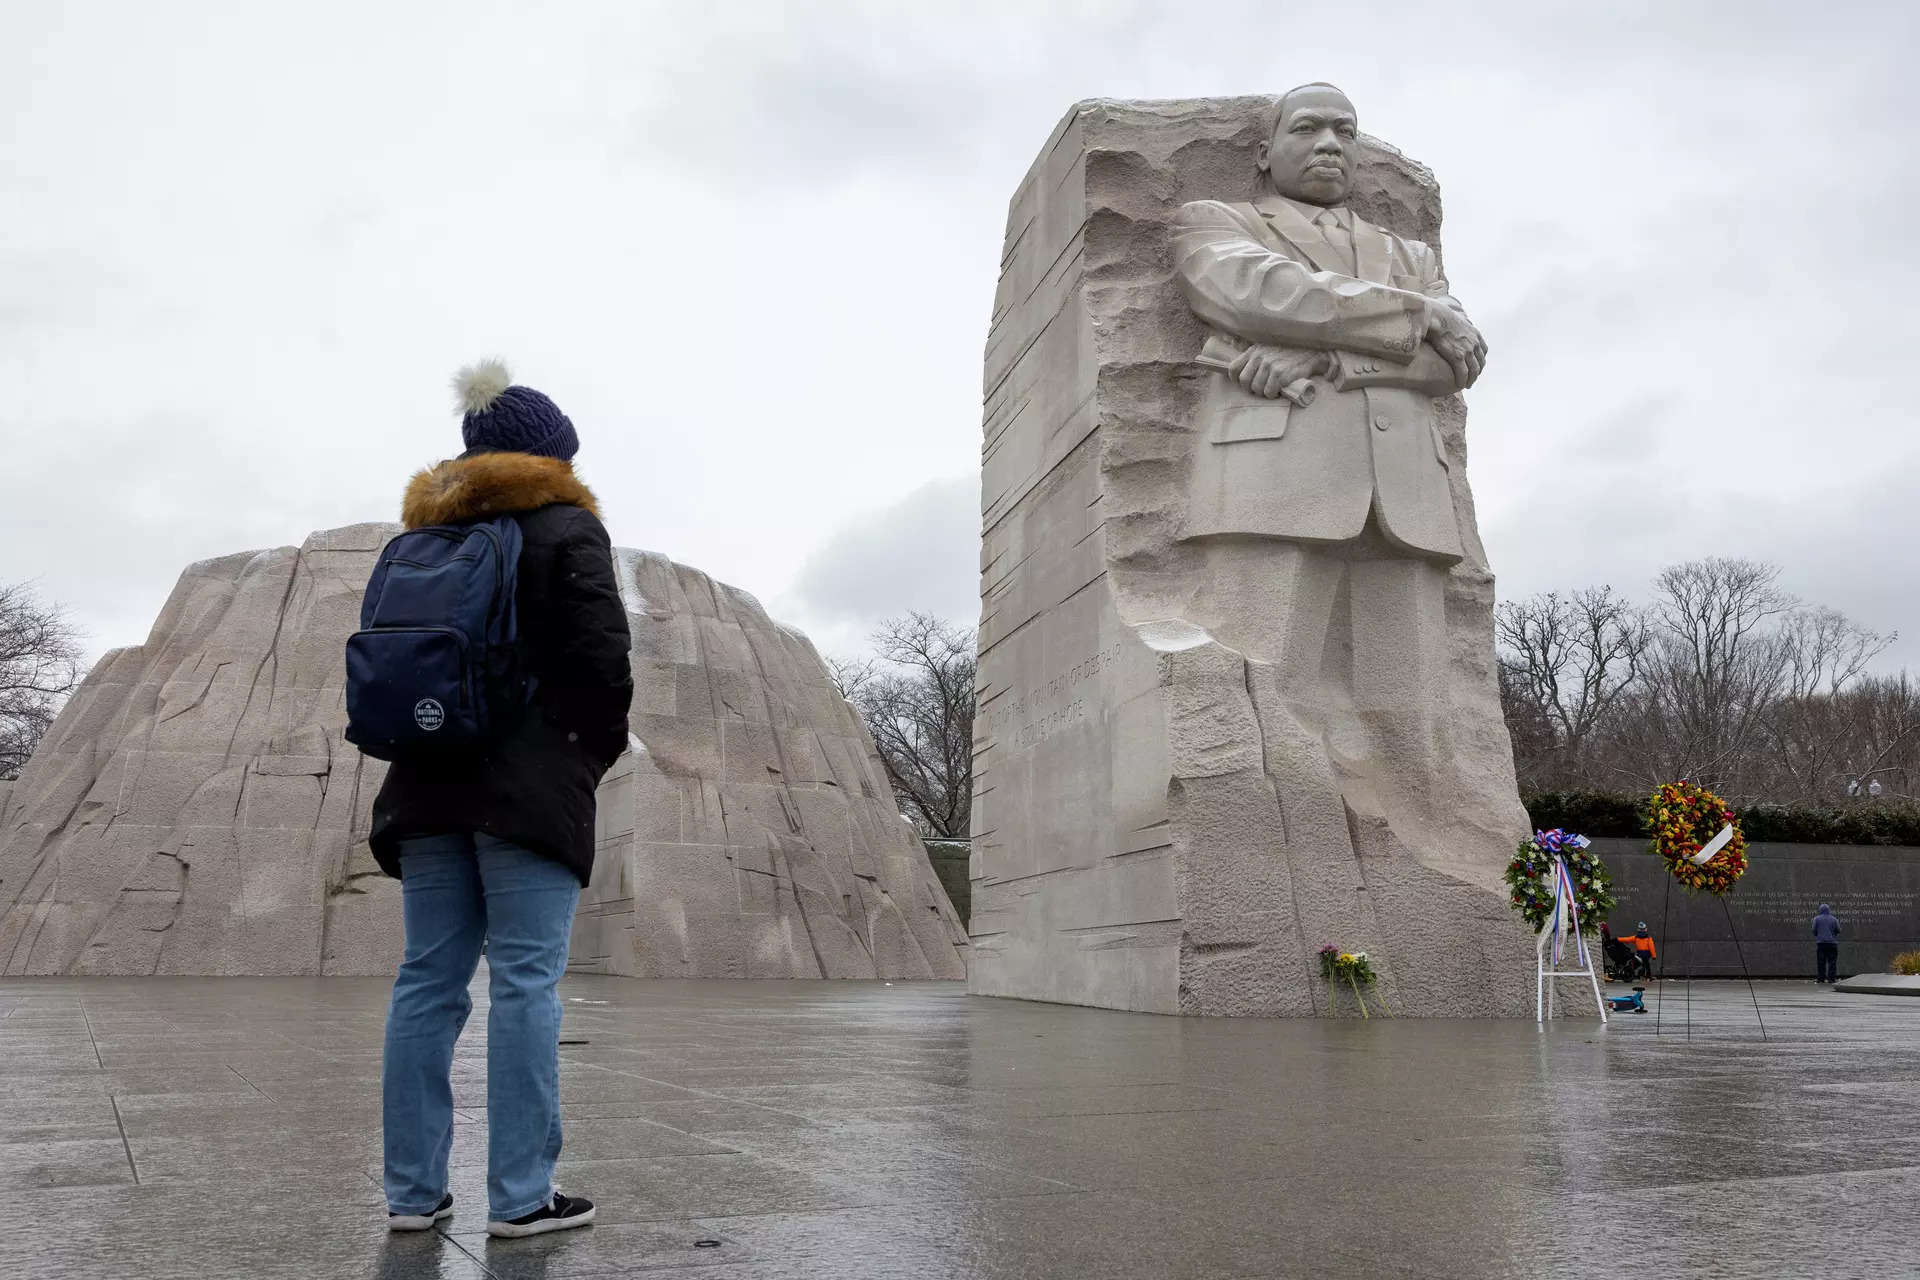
column 1269, row 371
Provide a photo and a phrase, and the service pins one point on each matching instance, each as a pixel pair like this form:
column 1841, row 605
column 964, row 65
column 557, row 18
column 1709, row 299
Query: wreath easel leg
column 1732, row 933
column 1660, row 994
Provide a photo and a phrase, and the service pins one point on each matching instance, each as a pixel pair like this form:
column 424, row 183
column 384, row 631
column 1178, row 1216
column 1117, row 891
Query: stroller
column 1623, row 961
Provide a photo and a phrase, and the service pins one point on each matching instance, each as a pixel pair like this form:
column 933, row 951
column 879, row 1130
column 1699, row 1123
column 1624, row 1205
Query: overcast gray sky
column 751, row 249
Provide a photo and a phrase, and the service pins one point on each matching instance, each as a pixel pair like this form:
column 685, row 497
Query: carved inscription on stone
column 1783, row 907
column 1033, row 715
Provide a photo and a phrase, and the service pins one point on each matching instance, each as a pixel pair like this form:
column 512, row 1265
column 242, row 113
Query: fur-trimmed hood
column 491, row 484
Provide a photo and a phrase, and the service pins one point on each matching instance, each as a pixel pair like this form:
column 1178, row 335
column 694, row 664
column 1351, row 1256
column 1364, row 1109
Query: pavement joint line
column 1669, row 1187
column 91, row 1039
column 250, row 1084
column 124, row 1144
column 856, row 1205
column 701, row 1093
column 440, row 1229
column 1004, row 1168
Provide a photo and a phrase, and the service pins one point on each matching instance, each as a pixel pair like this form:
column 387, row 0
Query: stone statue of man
column 1320, row 498
column 1296, row 285
column 1236, row 682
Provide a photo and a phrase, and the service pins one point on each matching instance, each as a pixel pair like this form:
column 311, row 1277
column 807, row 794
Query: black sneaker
column 562, row 1213
column 421, row 1221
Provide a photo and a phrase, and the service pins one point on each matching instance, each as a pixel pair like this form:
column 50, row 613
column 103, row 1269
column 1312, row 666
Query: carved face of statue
column 1310, row 156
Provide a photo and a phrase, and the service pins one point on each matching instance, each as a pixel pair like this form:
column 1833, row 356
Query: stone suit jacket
column 1369, row 443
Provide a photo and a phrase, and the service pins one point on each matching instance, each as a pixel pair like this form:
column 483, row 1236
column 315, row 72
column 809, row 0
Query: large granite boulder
column 1184, row 784
column 195, row 810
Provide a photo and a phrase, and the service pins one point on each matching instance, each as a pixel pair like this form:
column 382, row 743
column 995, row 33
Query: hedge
column 1598, row 813
column 951, row 860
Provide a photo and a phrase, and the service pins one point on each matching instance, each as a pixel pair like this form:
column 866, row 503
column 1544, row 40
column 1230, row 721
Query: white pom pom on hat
column 477, row 386
column 498, row 416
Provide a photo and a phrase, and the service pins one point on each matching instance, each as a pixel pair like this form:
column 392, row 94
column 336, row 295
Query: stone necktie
column 1338, row 236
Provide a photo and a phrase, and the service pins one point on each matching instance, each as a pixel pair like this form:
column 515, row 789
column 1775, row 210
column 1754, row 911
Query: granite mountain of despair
column 1237, row 693
column 195, row 810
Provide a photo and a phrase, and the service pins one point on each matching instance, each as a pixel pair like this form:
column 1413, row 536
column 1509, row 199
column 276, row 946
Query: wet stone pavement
column 229, row 1127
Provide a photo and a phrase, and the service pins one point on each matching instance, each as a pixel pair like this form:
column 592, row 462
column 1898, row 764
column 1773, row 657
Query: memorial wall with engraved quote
column 1875, row 891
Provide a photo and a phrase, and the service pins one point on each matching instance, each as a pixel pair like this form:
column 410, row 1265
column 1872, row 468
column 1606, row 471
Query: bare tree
column 851, row 675
column 1882, row 715
column 916, row 697
column 1825, row 651
column 1717, row 664
column 1816, row 733
column 40, row 663
column 1566, row 664
column 1725, row 679
column 1536, row 754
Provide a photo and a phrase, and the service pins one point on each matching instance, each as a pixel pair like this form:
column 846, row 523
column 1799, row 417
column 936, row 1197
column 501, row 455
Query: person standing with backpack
column 493, row 670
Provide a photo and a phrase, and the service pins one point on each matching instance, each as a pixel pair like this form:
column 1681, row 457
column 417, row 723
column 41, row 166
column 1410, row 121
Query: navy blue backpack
column 433, row 670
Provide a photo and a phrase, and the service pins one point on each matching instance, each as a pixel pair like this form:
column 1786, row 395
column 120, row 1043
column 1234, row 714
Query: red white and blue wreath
column 1532, row 872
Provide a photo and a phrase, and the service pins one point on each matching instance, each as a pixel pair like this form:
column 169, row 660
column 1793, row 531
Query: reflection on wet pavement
column 229, row 1127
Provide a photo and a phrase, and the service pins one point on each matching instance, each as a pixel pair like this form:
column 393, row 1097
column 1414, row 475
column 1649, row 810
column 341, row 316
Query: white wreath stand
column 1561, row 923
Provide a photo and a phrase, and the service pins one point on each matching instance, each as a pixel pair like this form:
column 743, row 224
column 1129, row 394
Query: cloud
column 920, row 553
column 751, row 249
column 49, row 288
column 1845, row 546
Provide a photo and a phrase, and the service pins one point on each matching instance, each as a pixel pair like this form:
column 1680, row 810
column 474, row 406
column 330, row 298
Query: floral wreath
column 1530, row 878
column 1684, row 817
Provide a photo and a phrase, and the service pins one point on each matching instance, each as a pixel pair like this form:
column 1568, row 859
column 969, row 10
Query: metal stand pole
column 1689, row 975
column 1743, row 968
column 1660, row 997
column 1580, row 951
column 1539, row 977
column 1599, row 1001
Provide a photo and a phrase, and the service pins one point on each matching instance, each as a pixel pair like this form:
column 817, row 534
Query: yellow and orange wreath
column 1685, row 817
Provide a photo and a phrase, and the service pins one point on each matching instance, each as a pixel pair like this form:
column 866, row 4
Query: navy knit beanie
column 498, row 417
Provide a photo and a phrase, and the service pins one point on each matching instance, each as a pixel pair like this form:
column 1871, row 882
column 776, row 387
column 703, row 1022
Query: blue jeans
column 456, row 890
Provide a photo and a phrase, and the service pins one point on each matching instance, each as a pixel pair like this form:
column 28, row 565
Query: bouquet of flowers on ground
column 1345, row 966
column 1352, row 968
column 1530, row 879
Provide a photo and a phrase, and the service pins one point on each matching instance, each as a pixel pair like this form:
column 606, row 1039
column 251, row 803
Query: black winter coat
column 535, row 786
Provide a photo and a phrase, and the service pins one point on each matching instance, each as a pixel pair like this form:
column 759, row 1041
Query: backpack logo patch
column 429, row 714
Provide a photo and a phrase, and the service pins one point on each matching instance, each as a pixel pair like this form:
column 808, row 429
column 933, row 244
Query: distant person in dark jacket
column 1826, row 945
column 494, row 849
